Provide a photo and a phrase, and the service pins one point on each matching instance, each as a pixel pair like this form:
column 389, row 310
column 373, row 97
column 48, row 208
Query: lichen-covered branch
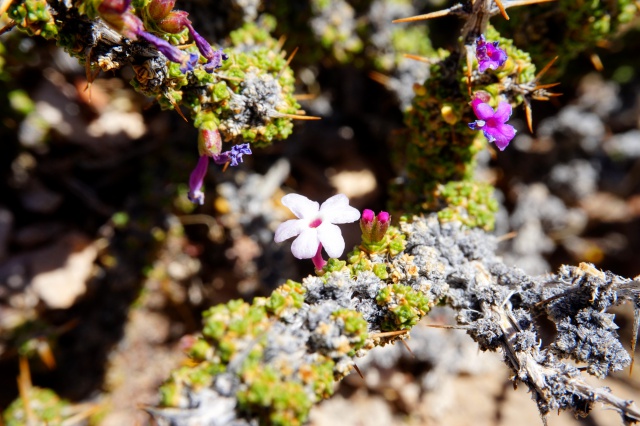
column 269, row 361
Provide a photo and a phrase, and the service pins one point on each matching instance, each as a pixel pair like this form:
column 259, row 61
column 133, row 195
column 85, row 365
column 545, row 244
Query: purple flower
column 489, row 55
column 492, row 123
column 196, row 180
column 186, row 60
column 214, row 57
column 209, row 144
column 234, row 156
column 315, row 227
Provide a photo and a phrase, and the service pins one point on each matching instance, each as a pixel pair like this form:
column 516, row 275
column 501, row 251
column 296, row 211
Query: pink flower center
column 315, row 223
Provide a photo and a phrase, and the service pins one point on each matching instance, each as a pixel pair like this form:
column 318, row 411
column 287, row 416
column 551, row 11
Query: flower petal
column 289, row 229
column 503, row 112
column 306, row 245
column 331, row 238
column 337, row 210
column 301, row 206
column 483, row 111
column 501, row 135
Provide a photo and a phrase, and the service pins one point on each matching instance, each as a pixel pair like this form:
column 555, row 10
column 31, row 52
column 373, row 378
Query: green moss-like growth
column 320, row 376
column 354, row 326
column 405, row 306
column 273, row 400
column 468, row 202
column 286, row 299
column 46, row 406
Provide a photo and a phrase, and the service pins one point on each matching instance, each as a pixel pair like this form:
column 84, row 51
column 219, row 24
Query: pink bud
column 174, row 22
column 209, row 142
column 159, row 9
column 366, row 224
column 381, row 226
column 384, row 217
column 368, row 216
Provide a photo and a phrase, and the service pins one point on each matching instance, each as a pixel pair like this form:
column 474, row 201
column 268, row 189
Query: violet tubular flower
column 492, row 123
column 186, row 60
column 489, row 55
column 316, row 227
column 196, row 179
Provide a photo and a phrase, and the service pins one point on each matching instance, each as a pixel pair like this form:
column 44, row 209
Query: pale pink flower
column 316, row 227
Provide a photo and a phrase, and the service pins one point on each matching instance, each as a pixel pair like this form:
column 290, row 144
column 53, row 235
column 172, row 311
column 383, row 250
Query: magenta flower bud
column 174, row 22
column 366, row 224
column 159, row 9
column 380, row 227
column 384, row 217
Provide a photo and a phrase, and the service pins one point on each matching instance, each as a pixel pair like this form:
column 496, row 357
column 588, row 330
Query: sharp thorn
column 288, row 61
column 298, row 117
column 528, row 114
column 503, row 11
column 417, row 58
column 388, row 334
column 355, row 366
column 431, row 15
column 406, row 345
column 545, row 69
column 546, row 86
column 527, row 2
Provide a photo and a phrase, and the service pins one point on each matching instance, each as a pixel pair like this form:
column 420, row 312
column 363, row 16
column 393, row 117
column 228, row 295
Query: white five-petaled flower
column 315, row 226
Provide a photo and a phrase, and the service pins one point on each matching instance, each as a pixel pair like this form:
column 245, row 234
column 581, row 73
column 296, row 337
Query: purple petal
column 503, row 112
column 301, row 206
column 289, row 229
column 331, row 239
column 501, row 135
column 237, row 152
column 306, row 245
column 483, row 111
column 187, row 60
column 196, row 180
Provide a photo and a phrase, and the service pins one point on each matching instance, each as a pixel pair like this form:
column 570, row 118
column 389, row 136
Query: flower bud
column 209, row 142
column 174, row 22
column 366, row 224
column 159, row 9
column 380, row 227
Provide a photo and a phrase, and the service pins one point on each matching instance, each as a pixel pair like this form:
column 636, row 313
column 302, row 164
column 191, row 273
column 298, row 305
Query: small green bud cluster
column 34, row 17
column 405, row 306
